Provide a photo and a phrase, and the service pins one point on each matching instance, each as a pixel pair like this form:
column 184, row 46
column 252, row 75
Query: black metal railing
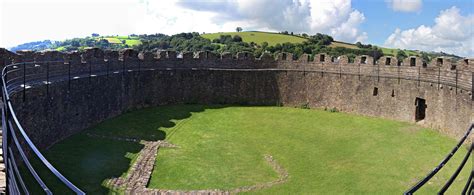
column 16, row 142
column 468, row 187
column 17, row 78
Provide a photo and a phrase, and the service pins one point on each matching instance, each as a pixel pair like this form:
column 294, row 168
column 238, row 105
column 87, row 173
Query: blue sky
column 382, row 20
column 431, row 25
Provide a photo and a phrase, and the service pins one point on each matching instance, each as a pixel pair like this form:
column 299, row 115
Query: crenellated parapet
column 94, row 59
column 364, row 59
column 413, row 61
column 388, row 61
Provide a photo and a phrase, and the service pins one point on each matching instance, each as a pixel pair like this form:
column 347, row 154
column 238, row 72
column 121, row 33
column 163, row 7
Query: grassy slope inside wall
column 222, row 147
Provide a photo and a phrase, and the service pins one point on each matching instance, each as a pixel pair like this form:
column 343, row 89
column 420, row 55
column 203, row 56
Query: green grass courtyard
column 223, row 147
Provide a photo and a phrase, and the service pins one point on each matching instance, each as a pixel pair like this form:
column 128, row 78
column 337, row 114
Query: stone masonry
column 85, row 88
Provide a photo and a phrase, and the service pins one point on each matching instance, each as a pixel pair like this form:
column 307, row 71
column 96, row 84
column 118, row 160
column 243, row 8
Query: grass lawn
column 113, row 40
column 393, row 52
column 259, row 37
column 342, row 44
column 130, row 41
column 223, row 147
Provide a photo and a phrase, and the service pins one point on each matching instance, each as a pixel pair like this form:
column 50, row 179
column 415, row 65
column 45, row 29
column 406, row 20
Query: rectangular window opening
column 363, row 60
column 412, row 61
column 376, row 91
column 439, row 61
column 322, row 58
column 388, row 61
column 420, row 110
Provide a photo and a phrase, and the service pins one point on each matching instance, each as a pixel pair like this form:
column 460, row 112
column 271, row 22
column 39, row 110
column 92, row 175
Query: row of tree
column 192, row 42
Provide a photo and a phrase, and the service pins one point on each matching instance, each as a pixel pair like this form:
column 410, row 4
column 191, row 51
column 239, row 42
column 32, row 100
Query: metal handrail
column 9, row 128
column 441, row 164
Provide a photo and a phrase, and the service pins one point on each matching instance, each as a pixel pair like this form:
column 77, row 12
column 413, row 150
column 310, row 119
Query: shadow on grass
column 89, row 161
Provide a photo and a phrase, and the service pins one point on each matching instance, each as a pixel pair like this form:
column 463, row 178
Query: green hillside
column 259, row 37
column 250, row 41
column 342, row 44
column 129, row 40
column 274, row 38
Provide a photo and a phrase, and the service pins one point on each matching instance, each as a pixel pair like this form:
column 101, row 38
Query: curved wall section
column 63, row 98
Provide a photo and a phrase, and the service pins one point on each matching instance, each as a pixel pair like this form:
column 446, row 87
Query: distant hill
column 278, row 38
column 274, row 38
column 35, row 46
column 250, row 41
column 259, row 37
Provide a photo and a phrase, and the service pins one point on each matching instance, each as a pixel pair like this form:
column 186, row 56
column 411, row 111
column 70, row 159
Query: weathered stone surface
column 107, row 84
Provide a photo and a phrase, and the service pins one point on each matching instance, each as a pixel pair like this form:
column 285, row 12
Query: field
column 393, row 52
column 130, row 41
column 274, row 38
column 259, row 37
column 342, row 44
column 223, row 147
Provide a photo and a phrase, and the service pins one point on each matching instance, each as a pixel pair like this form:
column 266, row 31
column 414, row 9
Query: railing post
column 24, row 82
column 472, row 86
column 359, row 71
column 47, row 79
column 340, row 70
column 69, row 76
column 398, row 73
column 139, row 65
column 322, row 69
column 107, row 67
column 419, row 69
column 439, row 77
column 90, row 71
column 378, row 73
column 456, row 85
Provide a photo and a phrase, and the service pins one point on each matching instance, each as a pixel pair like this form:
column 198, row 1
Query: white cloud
column 32, row 20
column 451, row 33
column 405, row 5
column 335, row 17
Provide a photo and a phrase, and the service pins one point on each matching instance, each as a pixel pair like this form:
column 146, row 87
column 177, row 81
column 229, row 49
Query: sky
column 429, row 25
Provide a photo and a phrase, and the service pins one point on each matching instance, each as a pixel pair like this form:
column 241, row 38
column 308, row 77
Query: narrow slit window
column 376, row 91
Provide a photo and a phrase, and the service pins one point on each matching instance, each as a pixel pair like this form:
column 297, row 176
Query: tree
column 264, row 45
column 238, row 29
column 401, row 55
column 237, row 38
column 95, row 35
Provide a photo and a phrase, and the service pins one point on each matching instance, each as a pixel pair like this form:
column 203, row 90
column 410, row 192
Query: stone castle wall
column 74, row 100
